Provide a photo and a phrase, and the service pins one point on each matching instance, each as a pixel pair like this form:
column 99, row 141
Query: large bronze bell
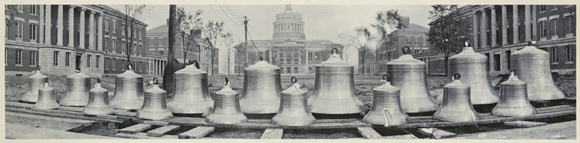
column 514, row 99
column 334, row 88
column 226, row 108
column 155, row 104
column 98, row 101
column 46, row 100
column 36, row 82
column 533, row 67
column 191, row 94
column 456, row 106
column 293, row 110
column 77, row 90
column 261, row 93
column 128, row 90
column 386, row 108
column 409, row 75
column 473, row 68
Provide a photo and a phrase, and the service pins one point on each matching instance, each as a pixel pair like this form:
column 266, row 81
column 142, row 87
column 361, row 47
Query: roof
column 159, row 29
column 118, row 13
column 415, row 28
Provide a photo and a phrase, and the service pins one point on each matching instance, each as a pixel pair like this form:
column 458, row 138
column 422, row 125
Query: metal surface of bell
column 514, row 99
column 334, row 88
column 386, row 108
column 409, row 75
column 155, row 104
column 226, row 108
column 128, row 91
column 261, row 93
column 456, row 106
column 36, row 81
column 532, row 66
column 294, row 109
column 77, row 90
column 98, row 101
column 474, row 72
column 46, row 100
column 191, row 94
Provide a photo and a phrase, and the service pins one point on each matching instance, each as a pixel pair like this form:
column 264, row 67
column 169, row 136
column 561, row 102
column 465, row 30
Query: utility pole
column 246, row 43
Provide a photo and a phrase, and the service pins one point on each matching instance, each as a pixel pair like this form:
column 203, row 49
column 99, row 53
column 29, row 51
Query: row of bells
column 334, row 86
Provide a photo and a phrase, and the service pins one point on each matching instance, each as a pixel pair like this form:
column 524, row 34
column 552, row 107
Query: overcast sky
column 321, row 21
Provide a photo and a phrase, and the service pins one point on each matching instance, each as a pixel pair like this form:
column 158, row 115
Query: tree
column 228, row 40
column 387, row 22
column 212, row 32
column 364, row 51
column 133, row 13
column 11, row 11
column 190, row 26
column 449, row 30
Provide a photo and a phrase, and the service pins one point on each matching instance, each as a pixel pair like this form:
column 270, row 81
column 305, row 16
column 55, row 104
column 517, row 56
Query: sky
column 321, row 21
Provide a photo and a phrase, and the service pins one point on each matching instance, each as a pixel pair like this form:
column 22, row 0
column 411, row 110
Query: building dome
column 288, row 25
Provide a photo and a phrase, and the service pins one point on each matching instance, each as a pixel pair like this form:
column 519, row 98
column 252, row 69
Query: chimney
column 405, row 20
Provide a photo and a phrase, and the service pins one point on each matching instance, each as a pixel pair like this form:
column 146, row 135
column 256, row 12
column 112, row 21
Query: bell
column 261, row 93
column 46, row 100
column 409, row 74
column 98, row 101
column 334, row 88
column 473, row 68
column 514, row 99
column 533, row 67
column 386, row 108
column 191, row 94
column 36, row 82
column 293, row 110
column 155, row 104
column 77, row 90
column 456, row 106
column 226, row 108
column 128, row 90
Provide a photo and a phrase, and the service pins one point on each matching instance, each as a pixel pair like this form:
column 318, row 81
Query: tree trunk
column 183, row 47
column 169, row 69
column 364, row 53
column 446, row 63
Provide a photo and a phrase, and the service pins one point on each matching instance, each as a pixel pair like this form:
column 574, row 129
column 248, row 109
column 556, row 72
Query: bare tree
column 387, row 22
column 190, row 26
column 11, row 11
column 363, row 50
column 227, row 40
column 133, row 13
column 212, row 32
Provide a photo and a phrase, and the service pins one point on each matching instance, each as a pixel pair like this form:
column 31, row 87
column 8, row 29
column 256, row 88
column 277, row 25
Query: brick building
column 62, row 38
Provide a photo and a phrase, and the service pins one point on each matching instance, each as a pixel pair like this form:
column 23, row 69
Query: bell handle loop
column 387, row 114
column 334, row 51
column 293, row 80
column 512, row 73
column 37, row 68
column 406, row 50
column 467, row 43
column 386, row 77
column 46, row 80
column 98, row 80
column 155, row 81
column 456, row 76
column 227, row 82
column 130, row 66
column 261, row 58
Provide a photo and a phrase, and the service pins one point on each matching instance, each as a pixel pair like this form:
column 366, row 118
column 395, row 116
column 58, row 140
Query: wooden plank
column 161, row 131
column 73, row 115
column 125, row 113
column 563, row 130
column 156, row 123
column 524, row 124
column 18, row 104
column 16, row 131
column 272, row 134
column 186, row 121
column 436, row 133
column 144, row 136
column 407, row 136
column 196, row 133
column 134, row 129
column 368, row 133
column 75, row 109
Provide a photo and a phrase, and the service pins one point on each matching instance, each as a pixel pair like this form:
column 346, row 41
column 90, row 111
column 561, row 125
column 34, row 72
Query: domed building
column 288, row 49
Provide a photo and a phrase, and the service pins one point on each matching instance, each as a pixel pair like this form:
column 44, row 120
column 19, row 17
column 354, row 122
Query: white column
column 71, row 26
column 101, row 34
column 515, row 28
column 60, row 29
column 527, row 22
column 504, row 23
column 493, row 27
column 41, row 25
column 92, row 30
column 475, row 42
column 483, row 29
column 48, row 28
column 534, row 23
column 82, row 29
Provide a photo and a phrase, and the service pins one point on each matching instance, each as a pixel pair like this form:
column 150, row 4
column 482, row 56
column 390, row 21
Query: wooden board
column 144, row 136
column 161, row 131
column 564, row 130
column 134, row 129
column 524, row 124
column 368, row 133
column 196, row 133
column 16, row 131
column 436, row 133
column 272, row 134
column 71, row 115
column 407, row 136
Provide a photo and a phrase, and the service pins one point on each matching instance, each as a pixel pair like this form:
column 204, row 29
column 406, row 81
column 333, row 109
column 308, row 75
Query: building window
column 106, row 44
column 88, row 60
column 543, row 8
column 20, row 29
column 161, row 51
column 553, row 27
column 569, row 24
column 114, row 25
column 20, row 7
column 107, row 24
column 553, row 55
column 33, row 31
column 123, row 47
column 417, row 51
column 113, row 64
column 106, row 63
column 98, row 61
column 140, row 33
column 18, row 56
column 123, row 29
column 113, row 46
column 33, row 58
column 55, row 58
column 33, row 9
column 160, row 42
column 569, row 53
column 67, row 59
column 543, row 29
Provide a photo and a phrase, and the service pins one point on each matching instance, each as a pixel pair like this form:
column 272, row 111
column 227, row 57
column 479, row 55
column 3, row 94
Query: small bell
column 293, row 110
column 456, row 106
column 155, row 104
column 77, row 91
column 46, row 100
column 226, row 108
column 514, row 99
column 98, row 101
column 36, row 82
column 128, row 90
column 386, row 108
